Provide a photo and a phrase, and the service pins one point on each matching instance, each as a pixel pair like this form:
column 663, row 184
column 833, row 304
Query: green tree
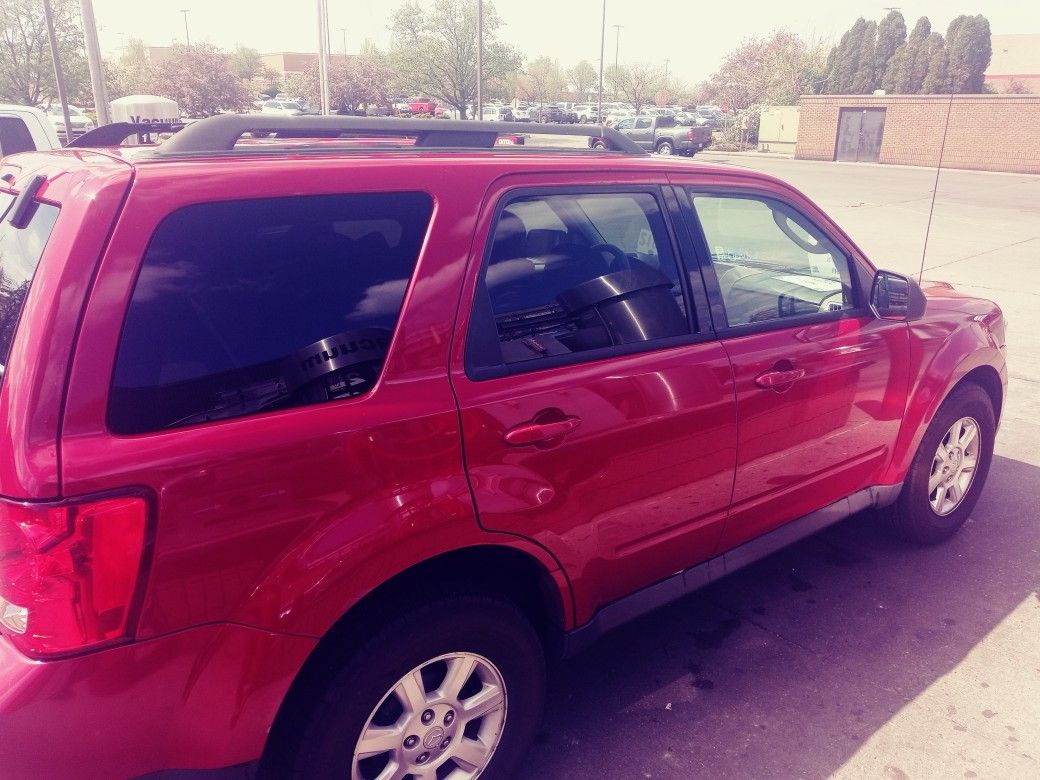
column 865, row 76
column 246, row 63
column 26, row 68
column 583, row 79
column 969, row 50
column 435, row 50
column 920, row 55
column 843, row 62
column 201, row 79
column 891, row 37
column 935, row 80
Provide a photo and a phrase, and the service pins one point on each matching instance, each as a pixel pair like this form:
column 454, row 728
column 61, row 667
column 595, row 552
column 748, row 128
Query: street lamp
column 344, row 31
column 617, row 48
column 602, row 47
column 187, row 37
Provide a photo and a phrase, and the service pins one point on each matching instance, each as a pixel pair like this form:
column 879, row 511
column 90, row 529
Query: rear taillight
column 69, row 573
column 689, row 135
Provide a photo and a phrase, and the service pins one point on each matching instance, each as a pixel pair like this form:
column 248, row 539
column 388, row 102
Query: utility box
column 778, row 129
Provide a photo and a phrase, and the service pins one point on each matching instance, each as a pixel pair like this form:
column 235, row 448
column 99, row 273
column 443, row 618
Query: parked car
column 81, row 123
column 587, row 113
column 661, row 134
column 282, row 108
column 423, row 105
column 24, row 128
column 497, row 114
column 568, row 115
column 312, row 458
column 546, row 113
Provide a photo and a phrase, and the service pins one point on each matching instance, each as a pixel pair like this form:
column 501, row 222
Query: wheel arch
column 493, row 569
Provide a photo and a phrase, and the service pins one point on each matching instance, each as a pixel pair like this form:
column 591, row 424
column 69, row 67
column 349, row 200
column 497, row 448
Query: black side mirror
column 897, row 297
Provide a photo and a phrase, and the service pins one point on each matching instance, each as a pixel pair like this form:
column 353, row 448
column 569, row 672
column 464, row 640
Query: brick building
column 286, row 62
column 985, row 132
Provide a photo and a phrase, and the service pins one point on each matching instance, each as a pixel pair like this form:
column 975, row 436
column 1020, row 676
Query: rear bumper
column 204, row 698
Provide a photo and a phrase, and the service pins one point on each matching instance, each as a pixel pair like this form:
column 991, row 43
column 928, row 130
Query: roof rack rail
column 220, row 133
column 115, row 133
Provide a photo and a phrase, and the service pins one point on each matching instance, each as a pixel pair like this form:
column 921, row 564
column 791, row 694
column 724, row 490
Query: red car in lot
column 313, row 454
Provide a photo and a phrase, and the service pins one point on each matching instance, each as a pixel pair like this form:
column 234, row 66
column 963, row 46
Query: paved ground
column 851, row 655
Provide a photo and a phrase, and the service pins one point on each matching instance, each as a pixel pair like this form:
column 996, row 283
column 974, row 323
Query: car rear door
column 597, row 408
column 821, row 382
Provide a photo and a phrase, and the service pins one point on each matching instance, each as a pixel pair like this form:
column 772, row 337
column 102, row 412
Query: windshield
column 20, row 251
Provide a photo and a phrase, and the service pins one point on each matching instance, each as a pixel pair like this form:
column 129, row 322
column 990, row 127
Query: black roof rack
column 220, row 133
column 115, row 133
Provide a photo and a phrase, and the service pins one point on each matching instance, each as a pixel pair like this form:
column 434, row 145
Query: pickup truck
column 25, row 129
column 663, row 135
column 422, row 105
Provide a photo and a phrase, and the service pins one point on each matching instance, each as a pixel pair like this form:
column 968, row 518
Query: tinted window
column 20, row 252
column 14, row 136
column 643, row 123
column 250, row 306
column 771, row 262
column 579, row 272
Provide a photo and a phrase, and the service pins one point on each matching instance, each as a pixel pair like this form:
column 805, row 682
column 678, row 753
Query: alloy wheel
column 954, row 465
column 441, row 721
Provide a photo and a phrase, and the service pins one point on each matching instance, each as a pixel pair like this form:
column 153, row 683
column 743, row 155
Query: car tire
column 489, row 632
column 928, row 515
column 599, row 145
column 665, row 148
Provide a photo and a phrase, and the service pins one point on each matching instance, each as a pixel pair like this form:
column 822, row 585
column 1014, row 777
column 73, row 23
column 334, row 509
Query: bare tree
column 639, row 83
column 583, row 79
column 543, row 80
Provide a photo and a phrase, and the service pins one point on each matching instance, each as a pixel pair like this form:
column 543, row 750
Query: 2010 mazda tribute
column 321, row 434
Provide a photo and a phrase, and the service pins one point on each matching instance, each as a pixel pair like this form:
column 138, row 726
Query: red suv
column 314, row 451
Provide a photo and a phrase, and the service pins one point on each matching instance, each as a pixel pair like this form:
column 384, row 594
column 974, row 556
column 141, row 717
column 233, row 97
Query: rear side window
column 579, row 272
column 14, row 136
column 20, row 252
column 249, row 306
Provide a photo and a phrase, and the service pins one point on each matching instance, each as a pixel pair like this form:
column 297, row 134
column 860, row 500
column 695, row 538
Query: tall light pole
column 617, row 48
column 602, row 51
column 59, row 74
column 344, row 31
column 97, row 72
column 478, row 110
column 323, row 56
column 187, row 37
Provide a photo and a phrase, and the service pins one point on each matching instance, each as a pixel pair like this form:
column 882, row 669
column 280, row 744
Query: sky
column 693, row 36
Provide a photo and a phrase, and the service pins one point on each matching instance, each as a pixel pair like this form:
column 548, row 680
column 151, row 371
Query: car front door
column 643, row 132
column 821, row 383
column 597, row 408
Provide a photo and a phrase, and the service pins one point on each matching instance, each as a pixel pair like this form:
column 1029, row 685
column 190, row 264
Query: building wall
column 1015, row 57
column 986, row 132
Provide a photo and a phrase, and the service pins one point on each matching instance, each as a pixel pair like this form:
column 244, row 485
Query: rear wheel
column 665, row 148
column 451, row 689
column 949, row 471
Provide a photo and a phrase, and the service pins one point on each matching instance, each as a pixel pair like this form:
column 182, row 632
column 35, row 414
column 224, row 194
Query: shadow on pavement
column 786, row 668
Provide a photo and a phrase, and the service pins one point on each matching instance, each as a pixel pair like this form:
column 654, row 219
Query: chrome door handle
column 538, row 433
column 779, row 380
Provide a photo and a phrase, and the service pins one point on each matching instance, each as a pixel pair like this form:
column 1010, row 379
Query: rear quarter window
column 20, row 252
column 249, row 306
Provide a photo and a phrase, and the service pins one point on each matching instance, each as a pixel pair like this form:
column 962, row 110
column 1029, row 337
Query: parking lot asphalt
column 851, row 654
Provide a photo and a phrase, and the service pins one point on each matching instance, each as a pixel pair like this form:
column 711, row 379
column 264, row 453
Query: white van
column 23, row 129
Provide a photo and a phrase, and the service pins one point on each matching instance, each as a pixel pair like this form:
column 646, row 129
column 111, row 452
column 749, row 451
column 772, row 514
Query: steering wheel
column 620, row 261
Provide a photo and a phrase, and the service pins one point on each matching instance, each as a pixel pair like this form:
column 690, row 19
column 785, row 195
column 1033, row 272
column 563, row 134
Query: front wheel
column 949, row 471
column 453, row 688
